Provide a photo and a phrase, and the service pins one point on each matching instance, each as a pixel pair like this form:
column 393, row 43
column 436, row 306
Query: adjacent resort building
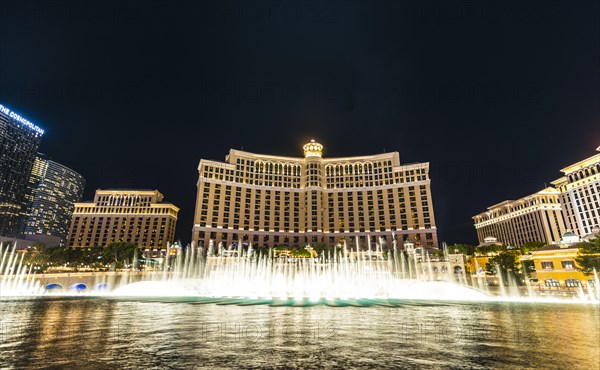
column 123, row 215
column 52, row 192
column 561, row 217
column 572, row 205
column 270, row 200
column 580, row 195
column 19, row 142
column 536, row 217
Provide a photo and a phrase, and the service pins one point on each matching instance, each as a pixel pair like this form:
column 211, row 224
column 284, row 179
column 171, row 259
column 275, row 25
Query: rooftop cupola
column 313, row 149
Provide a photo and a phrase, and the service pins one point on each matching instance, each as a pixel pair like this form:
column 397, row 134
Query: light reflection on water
column 98, row 333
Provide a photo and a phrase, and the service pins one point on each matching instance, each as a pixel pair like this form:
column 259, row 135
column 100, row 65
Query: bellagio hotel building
column 270, row 200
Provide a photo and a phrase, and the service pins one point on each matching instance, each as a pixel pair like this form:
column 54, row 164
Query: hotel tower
column 125, row 216
column 19, row 142
column 573, row 204
column 536, row 217
column 271, row 200
column 52, row 193
column 580, row 195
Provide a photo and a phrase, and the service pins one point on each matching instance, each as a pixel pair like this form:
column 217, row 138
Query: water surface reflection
column 97, row 333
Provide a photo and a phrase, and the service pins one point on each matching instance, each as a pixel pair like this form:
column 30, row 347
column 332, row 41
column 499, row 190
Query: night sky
column 497, row 96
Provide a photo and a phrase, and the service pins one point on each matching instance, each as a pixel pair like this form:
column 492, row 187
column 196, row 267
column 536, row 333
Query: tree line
column 110, row 257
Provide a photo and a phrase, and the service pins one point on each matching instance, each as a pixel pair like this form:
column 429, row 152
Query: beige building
column 270, row 200
column 580, row 195
column 132, row 216
column 536, row 217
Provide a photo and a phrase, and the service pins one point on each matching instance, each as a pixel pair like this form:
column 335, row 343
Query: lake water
column 97, row 333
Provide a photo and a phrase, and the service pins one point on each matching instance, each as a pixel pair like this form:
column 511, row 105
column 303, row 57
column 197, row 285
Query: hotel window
column 572, row 283
column 568, row 264
column 547, row 265
column 553, row 283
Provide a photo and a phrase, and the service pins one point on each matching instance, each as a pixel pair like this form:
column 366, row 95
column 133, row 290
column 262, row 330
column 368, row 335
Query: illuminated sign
column 20, row 119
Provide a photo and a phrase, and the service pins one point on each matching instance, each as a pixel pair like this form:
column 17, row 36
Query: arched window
column 572, row 283
column 552, row 283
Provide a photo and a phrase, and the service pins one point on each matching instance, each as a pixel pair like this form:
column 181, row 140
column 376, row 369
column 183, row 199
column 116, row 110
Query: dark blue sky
column 497, row 96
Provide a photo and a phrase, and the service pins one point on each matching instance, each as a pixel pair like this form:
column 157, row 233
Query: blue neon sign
column 20, row 119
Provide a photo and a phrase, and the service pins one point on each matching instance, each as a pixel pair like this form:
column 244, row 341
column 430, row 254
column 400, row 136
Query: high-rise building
column 123, row 215
column 271, row 200
column 53, row 191
column 573, row 205
column 536, row 217
column 19, row 141
column 580, row 195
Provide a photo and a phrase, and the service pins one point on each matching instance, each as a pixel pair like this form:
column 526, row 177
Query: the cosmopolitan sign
column 20, row 119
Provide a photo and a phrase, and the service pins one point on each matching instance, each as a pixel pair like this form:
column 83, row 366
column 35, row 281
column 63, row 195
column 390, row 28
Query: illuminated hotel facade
column 270, row 200
column 53, row 191
column 580, row 195
column 19, row 142
column 572, row 205
column 536, row 217
column 123, row 215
